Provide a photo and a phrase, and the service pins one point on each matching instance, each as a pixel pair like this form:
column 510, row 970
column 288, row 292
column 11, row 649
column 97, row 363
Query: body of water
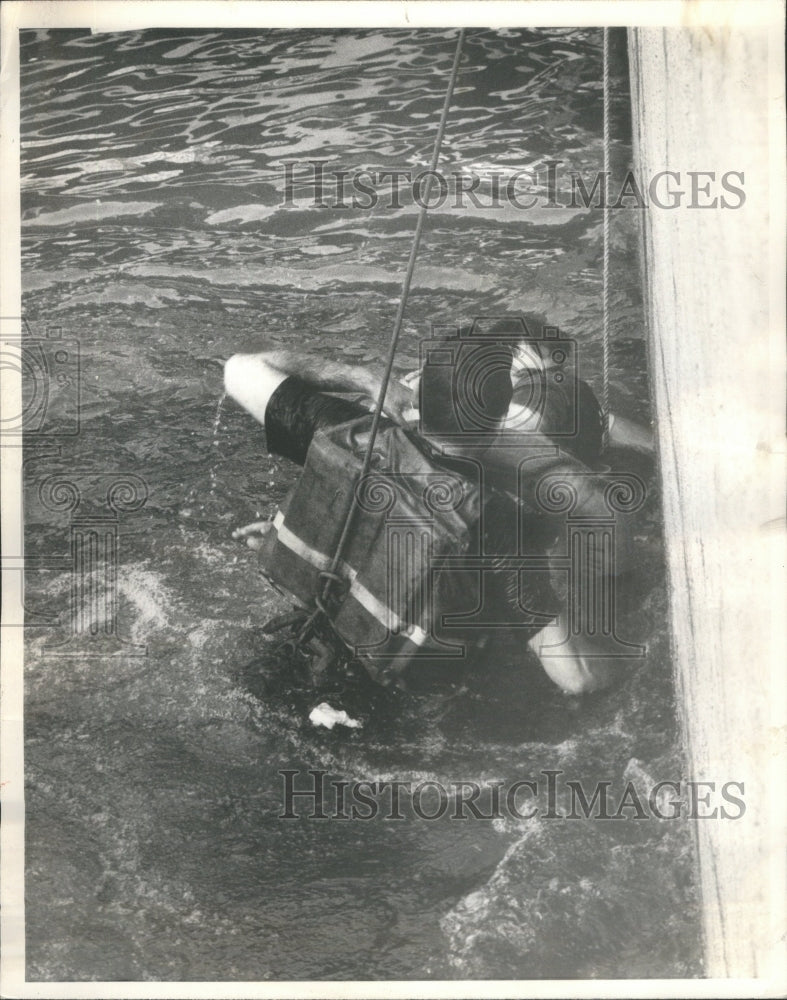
column 156, row 235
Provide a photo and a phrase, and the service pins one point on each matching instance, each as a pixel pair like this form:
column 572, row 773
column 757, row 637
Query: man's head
column 465, row 387
column 470, row 377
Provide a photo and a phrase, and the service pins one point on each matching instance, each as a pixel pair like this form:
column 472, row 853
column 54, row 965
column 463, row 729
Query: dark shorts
column 296, row 411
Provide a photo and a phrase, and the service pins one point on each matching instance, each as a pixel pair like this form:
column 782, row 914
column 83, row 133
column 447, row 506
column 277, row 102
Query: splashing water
column 168, row 218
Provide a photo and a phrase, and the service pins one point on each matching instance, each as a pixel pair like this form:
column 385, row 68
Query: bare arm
column 624, row 433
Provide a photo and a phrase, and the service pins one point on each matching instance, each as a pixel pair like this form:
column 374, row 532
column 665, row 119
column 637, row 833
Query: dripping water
column 215, row 443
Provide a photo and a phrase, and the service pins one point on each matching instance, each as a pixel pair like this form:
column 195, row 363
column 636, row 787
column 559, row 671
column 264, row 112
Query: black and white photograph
column 393, row 463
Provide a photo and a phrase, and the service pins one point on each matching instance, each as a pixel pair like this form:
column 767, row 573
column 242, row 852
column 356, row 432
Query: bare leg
column 251, row 381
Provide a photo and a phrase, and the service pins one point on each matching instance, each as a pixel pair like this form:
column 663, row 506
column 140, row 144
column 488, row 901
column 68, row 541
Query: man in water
column 290, row 394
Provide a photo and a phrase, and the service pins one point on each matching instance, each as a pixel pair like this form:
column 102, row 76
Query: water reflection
column 154, row 231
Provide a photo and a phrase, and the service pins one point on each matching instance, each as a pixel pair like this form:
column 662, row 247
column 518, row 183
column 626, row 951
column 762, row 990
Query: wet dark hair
column 570, row 415
column 470, row 393
column 528, row 327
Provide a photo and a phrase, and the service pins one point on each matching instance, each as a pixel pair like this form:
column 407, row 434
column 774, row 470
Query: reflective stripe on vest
column 364, row 597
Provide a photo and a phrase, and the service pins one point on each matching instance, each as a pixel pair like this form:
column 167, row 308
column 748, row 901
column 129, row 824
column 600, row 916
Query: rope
column 331, row 575
column 605, row 231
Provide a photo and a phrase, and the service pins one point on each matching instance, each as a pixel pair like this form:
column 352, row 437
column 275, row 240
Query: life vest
column 412, row 510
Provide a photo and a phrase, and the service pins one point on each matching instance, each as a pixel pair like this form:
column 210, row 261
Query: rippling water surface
column 154, row 232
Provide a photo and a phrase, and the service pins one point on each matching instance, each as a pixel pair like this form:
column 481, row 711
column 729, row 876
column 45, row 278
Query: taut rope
column 331, row 576
column 605, row 231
